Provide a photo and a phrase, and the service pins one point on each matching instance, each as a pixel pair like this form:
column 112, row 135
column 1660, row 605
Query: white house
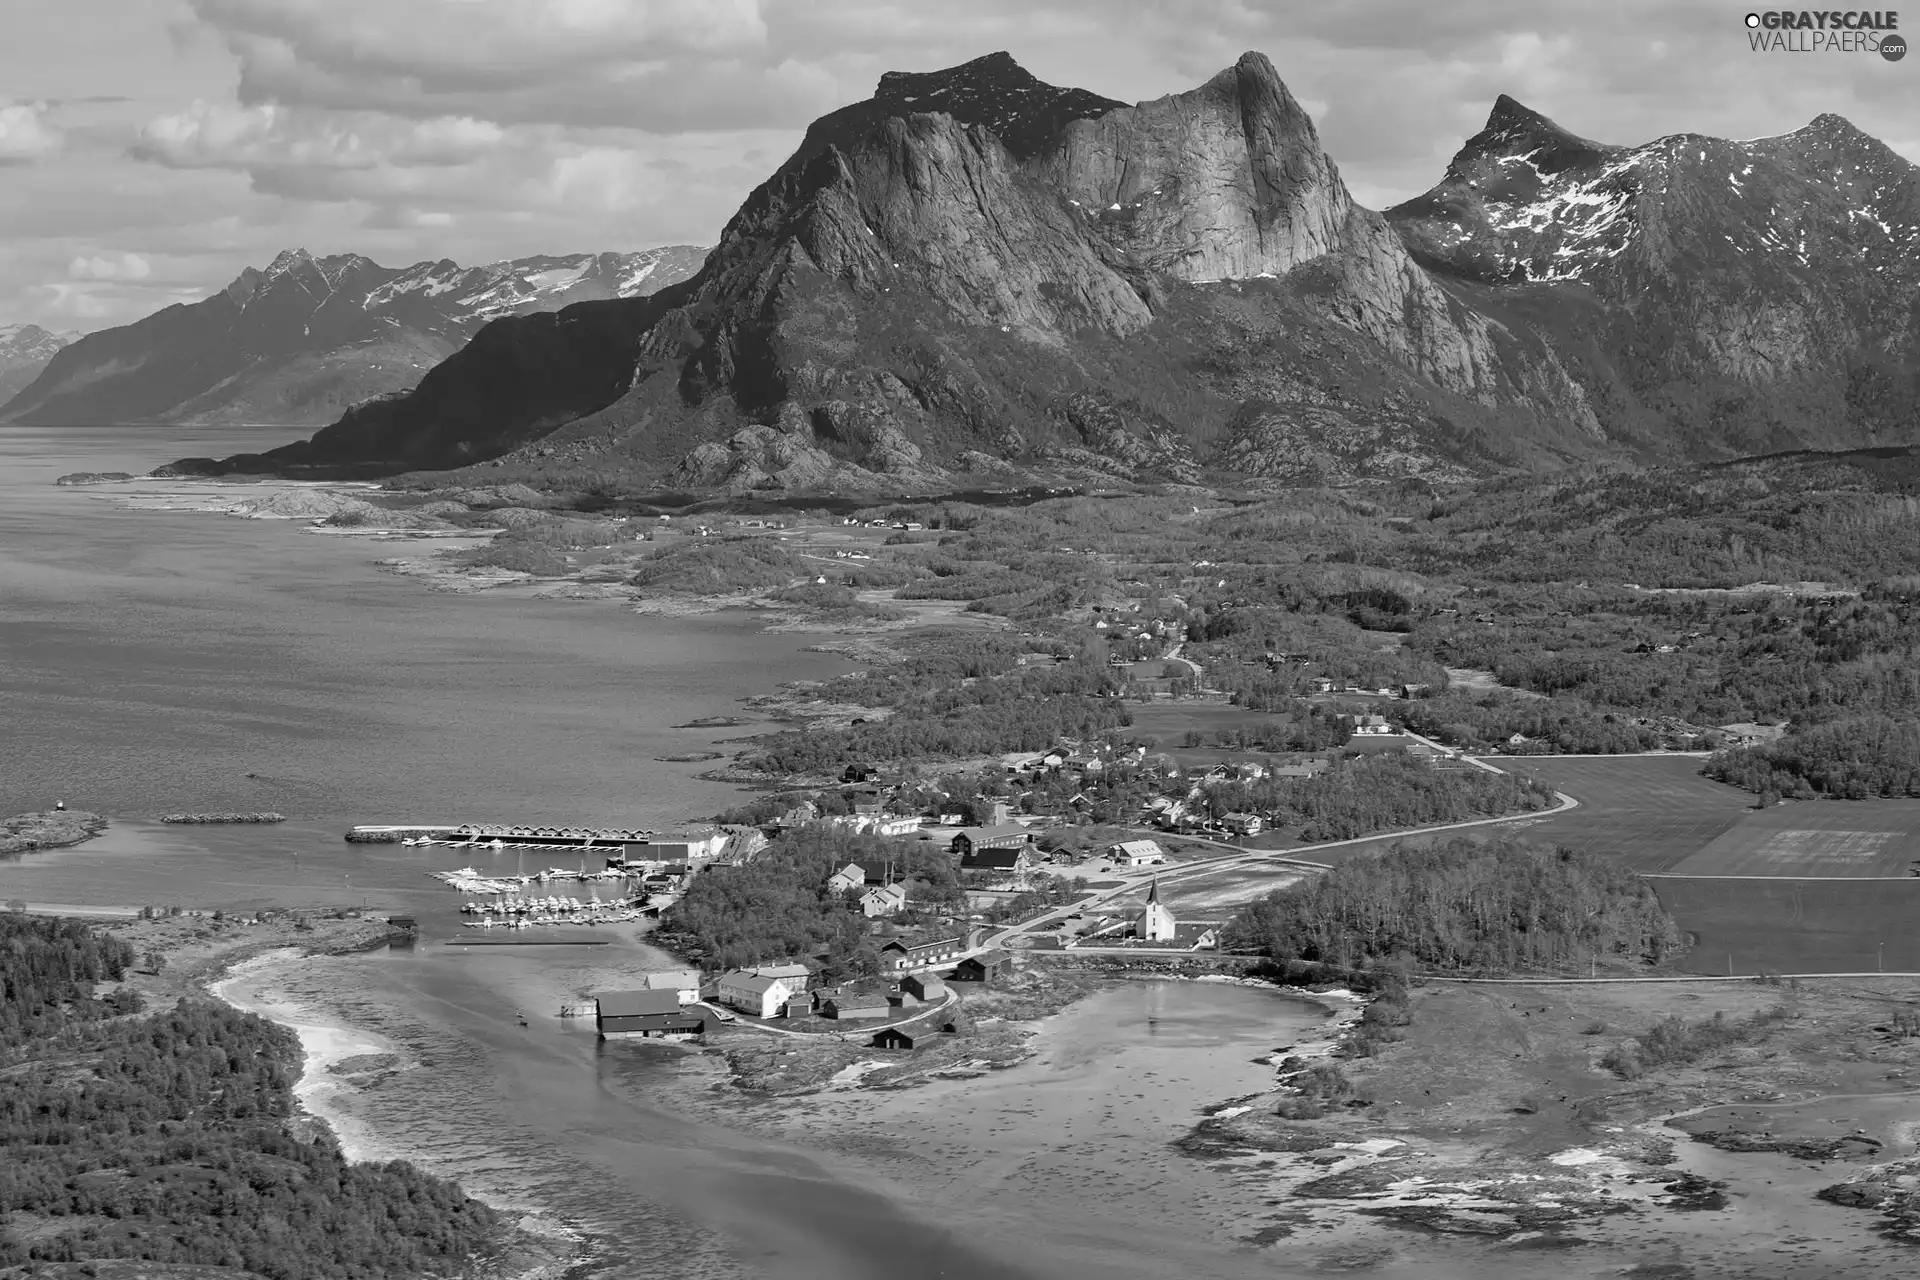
column 1156, row 923
column 683, row 982
column 753, row 994
column 882, row 900
column 1373, row 725
column 1243, row 824
column 1137, row 853
column 851, row 876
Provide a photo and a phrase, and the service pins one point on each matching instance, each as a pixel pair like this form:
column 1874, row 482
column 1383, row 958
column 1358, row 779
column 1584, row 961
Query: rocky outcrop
column 975, row 270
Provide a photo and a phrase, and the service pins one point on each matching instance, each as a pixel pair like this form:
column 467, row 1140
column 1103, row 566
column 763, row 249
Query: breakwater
column 208, row 819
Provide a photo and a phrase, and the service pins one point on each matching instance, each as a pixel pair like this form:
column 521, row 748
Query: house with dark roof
column 1011, row 860
column 923, row 987
column 968, row 840
column 988, row 967
column 892, row 1038
column 856, row 1006
column 650, row 1015
column 899, row 957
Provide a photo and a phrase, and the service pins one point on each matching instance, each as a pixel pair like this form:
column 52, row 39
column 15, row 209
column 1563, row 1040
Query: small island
column 54, row 829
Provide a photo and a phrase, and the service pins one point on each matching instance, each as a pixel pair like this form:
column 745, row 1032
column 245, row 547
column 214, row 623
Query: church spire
column 1153, row 891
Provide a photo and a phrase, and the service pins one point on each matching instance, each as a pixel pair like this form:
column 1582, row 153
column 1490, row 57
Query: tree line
column 1463, row 906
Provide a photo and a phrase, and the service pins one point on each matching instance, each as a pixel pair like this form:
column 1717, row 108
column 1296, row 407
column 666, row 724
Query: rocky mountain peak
column 993, row 92
column 1515, row 132
column 289, row 260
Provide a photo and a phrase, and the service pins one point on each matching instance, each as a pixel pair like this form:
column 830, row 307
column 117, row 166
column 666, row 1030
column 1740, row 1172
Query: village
column 961, row 892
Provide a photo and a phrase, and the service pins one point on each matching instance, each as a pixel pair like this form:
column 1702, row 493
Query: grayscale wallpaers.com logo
column 1827, row 31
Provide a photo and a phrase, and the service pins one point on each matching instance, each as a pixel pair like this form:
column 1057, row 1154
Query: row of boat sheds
column 680, row 1004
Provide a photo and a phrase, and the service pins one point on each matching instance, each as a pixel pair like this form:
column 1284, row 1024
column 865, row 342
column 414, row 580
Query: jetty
column 528, row 939
column 486, row 836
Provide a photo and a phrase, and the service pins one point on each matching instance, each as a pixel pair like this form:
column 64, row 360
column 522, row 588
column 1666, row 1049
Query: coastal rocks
column 94, row 477
column 493, row 495
column 1842, row 1147
column 306, row 504
column 54, row 829
column 1892, row 1189
column 213, row 818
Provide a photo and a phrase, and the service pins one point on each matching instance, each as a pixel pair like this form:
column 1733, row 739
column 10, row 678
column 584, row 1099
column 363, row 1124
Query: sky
column 151, row 149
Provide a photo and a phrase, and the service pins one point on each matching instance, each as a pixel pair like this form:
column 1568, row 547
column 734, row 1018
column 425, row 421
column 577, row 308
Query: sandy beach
column 249, row 987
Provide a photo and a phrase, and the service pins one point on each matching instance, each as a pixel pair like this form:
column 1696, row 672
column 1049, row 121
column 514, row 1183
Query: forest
column 1024, row 709
column 1464, row 906
column 1867, row 758
column 169, row 1137
column 49, row 970
column 1378, row 793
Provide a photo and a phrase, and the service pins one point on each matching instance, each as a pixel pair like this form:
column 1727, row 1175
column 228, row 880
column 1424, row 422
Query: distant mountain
column 976, row 274
column 24, row 352
column 1722, row 296
column 307, row 338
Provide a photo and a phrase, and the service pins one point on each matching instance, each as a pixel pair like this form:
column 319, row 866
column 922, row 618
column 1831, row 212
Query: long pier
column 608, row 839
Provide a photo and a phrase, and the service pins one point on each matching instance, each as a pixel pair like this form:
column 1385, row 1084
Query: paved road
column 1698, row 977
column 1131, row 882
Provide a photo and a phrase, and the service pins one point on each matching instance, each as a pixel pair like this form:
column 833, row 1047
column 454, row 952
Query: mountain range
column 976, row 274
column 24, row 352
column 307, row 338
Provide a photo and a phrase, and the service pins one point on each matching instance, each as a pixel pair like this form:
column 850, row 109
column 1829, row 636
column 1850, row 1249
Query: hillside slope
column 307, row 338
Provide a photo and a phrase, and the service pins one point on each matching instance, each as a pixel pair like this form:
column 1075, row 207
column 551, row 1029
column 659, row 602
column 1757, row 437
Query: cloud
column 26, row 134
column 72, row 301
column 660, row 65
column 220, row 136
column 125, row 266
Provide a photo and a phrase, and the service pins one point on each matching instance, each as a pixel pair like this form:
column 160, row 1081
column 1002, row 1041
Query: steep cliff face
column 974, row 270
column 306, row 338
column 1753, row 295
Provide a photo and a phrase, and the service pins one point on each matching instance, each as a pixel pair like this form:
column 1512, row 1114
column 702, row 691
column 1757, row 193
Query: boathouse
column 648, row 1015
column 988, row 967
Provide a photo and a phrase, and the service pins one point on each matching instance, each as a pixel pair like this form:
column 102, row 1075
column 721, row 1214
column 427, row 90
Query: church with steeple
column 1156, row 923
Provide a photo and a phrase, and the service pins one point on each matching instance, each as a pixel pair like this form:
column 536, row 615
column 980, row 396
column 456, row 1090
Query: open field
column 1650, row 812
column 1795, row 925
column 1214, row 895
column 1815, row 838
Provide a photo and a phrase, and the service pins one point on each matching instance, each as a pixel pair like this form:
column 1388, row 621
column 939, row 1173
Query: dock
column 531, row 938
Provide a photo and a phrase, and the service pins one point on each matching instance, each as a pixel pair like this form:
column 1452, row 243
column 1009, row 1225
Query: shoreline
column 541, row 1246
